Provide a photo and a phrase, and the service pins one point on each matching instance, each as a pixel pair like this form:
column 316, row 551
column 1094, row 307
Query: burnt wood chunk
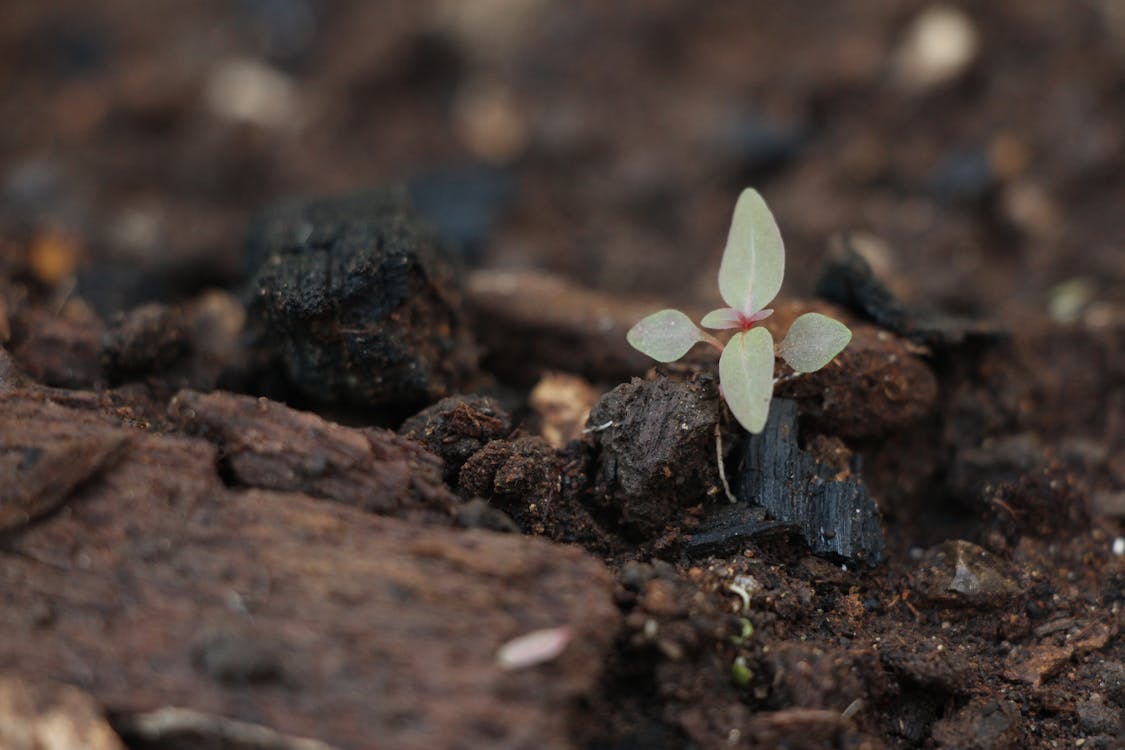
column 835, row 514
column 268, row 445
column 847, row 279
column 357, row 302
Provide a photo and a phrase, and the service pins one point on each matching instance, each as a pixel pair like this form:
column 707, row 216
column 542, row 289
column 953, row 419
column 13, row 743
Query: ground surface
column 192, row 564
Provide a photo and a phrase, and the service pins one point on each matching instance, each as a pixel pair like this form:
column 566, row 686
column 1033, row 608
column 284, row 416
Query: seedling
column 740, row 673
column 749, row 278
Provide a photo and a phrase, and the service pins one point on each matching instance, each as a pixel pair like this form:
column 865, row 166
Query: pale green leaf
column 721, row 319
column 754, row 260
column 813, row 340
column 746, row 375
column 665, row 336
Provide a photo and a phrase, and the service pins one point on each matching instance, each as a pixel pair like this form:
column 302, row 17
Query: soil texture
column 319, row 429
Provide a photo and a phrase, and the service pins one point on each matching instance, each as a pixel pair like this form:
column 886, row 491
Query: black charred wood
column 357, row 301
column 835, row 515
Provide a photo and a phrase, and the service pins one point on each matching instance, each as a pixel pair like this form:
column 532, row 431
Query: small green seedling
column 740, row 672
column 749, row 278
column 746, row 630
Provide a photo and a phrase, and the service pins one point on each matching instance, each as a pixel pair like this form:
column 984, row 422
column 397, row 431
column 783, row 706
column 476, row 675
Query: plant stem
column 719, row 458
column 709, row 339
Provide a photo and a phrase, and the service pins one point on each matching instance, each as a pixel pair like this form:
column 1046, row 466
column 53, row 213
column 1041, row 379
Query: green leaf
column 813, row 340
column 746, row 374
column 665, row 336
column 754, row 260
column 721, row 319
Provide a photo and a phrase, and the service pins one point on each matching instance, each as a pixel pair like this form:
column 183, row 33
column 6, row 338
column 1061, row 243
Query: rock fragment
column 938, row 47
column 961, row 572
column 1098, row 718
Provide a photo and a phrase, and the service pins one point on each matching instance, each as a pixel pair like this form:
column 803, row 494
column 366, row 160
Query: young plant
column 749, row 278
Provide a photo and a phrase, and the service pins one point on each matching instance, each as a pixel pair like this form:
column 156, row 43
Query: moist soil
column 300, row 474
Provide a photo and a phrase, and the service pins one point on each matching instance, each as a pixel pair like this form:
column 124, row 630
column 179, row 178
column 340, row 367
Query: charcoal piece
column 727, row 528
column 836, row 517
column 846, row 279
column 356, row 300
column 656, row 441
column 457, row 427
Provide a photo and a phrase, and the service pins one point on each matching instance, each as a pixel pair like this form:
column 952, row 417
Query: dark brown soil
column 211, row 534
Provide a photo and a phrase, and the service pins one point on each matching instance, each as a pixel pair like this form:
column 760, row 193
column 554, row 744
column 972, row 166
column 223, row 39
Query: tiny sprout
column 740, row 673
column 749, row 278
column 746, row 630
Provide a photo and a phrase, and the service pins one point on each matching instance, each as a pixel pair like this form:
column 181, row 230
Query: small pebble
column 534, row 648
column 250, row 91
column 940, row 45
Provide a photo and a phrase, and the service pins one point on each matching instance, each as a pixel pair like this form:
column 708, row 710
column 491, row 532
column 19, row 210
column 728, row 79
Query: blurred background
column 978, row 147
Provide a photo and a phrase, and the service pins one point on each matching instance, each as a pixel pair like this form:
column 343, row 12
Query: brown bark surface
column 156, row 585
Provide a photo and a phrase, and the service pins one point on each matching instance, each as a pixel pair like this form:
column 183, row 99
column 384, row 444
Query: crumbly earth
column 195, row 550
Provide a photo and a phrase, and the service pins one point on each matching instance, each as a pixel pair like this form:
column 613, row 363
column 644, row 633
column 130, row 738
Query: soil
column 381, row 471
